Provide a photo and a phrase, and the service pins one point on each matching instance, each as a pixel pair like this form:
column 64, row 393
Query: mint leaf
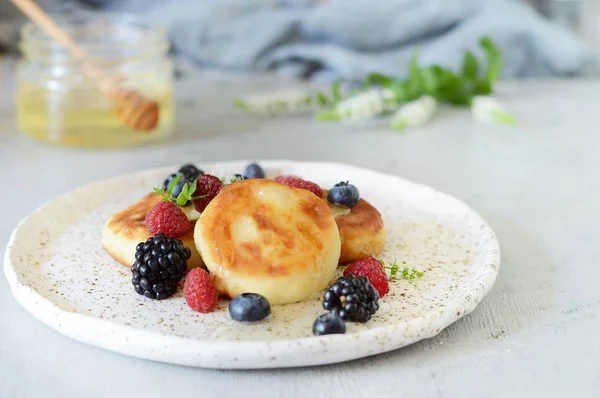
column 193, row 186
column 172, row 184
column 470, row 68
column 185, row 191
column 181, row 199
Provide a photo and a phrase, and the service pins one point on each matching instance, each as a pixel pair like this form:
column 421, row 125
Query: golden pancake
column 125, row 229
column 263, row 237
column 361, row 231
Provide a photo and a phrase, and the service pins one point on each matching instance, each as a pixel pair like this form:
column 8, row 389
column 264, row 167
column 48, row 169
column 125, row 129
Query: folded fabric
column 327, row 39
column 352, row 38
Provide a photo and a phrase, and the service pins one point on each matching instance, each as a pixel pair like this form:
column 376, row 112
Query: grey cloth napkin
column 352, row 38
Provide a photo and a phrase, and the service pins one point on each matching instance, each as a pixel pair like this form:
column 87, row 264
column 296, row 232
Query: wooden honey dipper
column 133, row 108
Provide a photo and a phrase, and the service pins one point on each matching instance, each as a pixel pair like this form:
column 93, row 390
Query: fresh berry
column 372, row 269
column 254, row 171
column 208, row 186
column 168, row 181
column 200, row 291
column 249, row 307
column 159, row 265
column 296, row 182
column 329, row 323
column 167, row 218
column 352, row 298
column 343, row 194
column 191, row 171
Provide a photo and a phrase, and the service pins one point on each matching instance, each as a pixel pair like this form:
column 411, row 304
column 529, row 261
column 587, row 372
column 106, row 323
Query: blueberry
column 249, row 307
column 168, row 181
column 343, row 194
column 329, row 323
column 189, row 170
column 254, row 171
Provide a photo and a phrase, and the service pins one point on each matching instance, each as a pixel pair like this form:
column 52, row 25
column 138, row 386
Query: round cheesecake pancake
column 125, row 229
column 263, row 237
column 361, row 230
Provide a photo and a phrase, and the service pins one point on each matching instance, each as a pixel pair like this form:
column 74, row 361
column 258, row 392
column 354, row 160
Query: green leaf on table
column 504, row 117
column 328, row 115
column 494, row 59
column 241, row 104
column 482, row 87
column 429, row 79
column 455, row 91
column 379, row 79
column 400, row 91
column 414, row 76
column 470, row 68
column 335, row 90
column 322, row 99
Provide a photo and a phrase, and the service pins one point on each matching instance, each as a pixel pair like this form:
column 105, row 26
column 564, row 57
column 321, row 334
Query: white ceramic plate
column 59, row 272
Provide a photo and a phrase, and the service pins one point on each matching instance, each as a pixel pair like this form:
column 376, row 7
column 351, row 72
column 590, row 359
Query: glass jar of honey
column 60, row 103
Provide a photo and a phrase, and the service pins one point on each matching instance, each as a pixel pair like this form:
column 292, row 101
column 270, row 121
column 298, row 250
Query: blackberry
column 352, row 298
column 190, row 170
column 160, row 263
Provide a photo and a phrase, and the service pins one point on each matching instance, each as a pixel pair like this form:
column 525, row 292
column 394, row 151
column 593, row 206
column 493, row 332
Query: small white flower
column 366, row 105
column 414, row 113
column 489, row 110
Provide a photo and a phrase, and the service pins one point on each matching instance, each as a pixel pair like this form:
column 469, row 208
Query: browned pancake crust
column 130, row 224
column 361, row 231
column 277, row 234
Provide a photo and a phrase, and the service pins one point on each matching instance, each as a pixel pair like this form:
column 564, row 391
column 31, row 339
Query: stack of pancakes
column 261, row 236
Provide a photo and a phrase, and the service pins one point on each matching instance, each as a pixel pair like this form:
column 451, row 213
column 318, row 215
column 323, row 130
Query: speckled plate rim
column 308, row 351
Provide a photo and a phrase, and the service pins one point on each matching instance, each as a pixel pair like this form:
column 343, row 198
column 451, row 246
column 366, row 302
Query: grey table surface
column 536, row 333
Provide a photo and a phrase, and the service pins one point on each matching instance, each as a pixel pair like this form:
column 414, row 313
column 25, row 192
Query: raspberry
column 167, row 218
column 297, row 182
column 200, row 291
column 373, row 270
column 208, row 186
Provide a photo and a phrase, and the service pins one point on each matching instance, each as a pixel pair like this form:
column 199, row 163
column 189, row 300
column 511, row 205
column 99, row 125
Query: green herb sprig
column 406, row 273
column 446, row 86
column 186, row 194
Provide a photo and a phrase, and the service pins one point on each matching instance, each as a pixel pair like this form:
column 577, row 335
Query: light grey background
column 536, row 333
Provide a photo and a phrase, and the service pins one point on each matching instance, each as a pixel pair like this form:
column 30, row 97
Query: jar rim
column 125, row 32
